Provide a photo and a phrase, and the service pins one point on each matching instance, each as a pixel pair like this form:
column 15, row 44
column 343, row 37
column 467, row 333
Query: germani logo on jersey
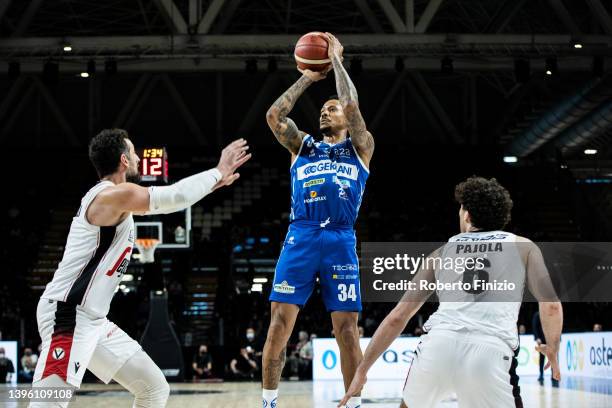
column 284, row 287
column 314, row 182
column 345, row 170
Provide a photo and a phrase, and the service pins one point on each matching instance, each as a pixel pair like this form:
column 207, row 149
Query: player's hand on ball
column 334, row 48
column 553, row 361
column 232, row 157
column 355, row 388
column 315, row 76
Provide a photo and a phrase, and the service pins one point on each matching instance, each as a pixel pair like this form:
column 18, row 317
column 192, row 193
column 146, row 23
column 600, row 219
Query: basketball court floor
column 573, row 392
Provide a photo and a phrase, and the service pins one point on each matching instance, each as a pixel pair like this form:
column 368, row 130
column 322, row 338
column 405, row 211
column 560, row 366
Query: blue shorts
column 312, row 251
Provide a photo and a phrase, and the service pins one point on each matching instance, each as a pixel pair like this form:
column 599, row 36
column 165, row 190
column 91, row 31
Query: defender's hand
column 355, row 388
column 553, row 361
column 232, row 157
column 315, row 76
column 334, row 47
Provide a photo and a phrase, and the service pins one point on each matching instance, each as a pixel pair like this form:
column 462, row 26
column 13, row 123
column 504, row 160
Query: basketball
column 311, row 52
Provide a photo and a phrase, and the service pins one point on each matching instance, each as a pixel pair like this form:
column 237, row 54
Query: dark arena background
column 512, row 89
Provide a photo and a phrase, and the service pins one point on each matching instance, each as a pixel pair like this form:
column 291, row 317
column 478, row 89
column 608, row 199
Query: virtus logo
column 329, row 359
column 574, row 354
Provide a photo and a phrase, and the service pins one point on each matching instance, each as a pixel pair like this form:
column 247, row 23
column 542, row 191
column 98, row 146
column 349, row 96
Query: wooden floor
column 380, row 394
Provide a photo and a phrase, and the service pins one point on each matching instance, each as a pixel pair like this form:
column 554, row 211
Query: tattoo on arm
column 284, row 128
column 273, row 370
column 361, row 137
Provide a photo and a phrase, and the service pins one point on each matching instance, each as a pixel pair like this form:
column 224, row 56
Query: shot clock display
column 154, row 164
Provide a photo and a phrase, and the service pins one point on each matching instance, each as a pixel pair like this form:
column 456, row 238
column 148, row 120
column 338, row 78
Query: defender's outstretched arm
column 360, row 136
column 114, row 201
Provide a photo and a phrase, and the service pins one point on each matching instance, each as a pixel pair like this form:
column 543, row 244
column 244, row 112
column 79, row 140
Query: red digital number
column 155, row 167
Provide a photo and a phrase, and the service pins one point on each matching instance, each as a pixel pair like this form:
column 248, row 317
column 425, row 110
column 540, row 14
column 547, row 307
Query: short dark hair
column 487, row 201
column 105, row 150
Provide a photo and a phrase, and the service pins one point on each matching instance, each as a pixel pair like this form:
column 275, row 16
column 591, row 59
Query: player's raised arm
column 129, row 197
column 551, row 311
column 390, row 328
column 360, row 136
column 283, row 127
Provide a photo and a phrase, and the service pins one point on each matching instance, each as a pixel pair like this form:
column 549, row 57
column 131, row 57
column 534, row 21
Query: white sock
column 269, row 398
column 353, row 402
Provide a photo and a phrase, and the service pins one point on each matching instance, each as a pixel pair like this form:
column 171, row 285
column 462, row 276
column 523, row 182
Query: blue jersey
column 327, row 182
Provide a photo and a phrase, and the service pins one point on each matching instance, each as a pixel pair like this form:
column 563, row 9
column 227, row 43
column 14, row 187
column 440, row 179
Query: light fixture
column 84, row 75
column 577, row 46
column 67, row 48
column 260, row 280
column 551, row 66
column 510, row 159
column 257, row 287
column 590, row 151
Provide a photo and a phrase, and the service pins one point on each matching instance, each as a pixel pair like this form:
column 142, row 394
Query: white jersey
column 94, row 261
column 486, row 312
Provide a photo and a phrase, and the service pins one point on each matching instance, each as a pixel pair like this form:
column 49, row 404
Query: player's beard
column 133, row 177
column 326, row 130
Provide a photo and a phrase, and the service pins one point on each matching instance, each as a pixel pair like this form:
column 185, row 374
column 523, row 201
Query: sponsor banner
column 10, row 352
column 586, row 354
column 320, row 167
column 581, row 354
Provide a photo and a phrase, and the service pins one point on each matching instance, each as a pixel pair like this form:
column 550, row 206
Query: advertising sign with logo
column 581, row 354
column 586, row 354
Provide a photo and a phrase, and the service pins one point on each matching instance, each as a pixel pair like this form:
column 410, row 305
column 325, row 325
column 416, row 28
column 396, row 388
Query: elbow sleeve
column 182, row 194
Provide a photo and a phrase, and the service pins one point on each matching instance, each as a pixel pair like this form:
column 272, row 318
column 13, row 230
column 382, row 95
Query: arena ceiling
column 157, row 44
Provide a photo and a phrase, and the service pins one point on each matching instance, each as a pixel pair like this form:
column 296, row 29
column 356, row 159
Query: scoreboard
column 154, row 164
column 172, row 230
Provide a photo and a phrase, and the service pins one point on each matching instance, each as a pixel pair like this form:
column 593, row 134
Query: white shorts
column 73, row 341
column 480, row 370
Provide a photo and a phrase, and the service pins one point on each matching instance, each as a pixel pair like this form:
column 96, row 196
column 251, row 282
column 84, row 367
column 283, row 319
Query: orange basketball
column 311, row 52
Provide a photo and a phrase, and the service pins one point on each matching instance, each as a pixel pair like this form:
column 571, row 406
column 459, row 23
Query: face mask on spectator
column 250, row 335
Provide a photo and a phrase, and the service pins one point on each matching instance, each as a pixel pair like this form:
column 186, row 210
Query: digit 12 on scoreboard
column 154, row 164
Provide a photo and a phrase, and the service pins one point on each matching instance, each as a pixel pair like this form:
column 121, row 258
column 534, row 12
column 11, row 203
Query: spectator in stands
column 28, row 365
column 7, row 369
column 522, row 329
column 296, row 360
column 597, row 327
column 202, row 363
column 243, row 366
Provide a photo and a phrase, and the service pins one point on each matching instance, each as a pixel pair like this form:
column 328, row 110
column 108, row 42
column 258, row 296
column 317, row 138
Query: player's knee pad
column 145, row 380
column 52, row 381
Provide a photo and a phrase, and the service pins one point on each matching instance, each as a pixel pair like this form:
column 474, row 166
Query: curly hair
column 488, row 202
column 105, row 150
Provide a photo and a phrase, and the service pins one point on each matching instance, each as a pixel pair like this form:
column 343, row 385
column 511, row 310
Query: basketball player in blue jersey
column 327, row 183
